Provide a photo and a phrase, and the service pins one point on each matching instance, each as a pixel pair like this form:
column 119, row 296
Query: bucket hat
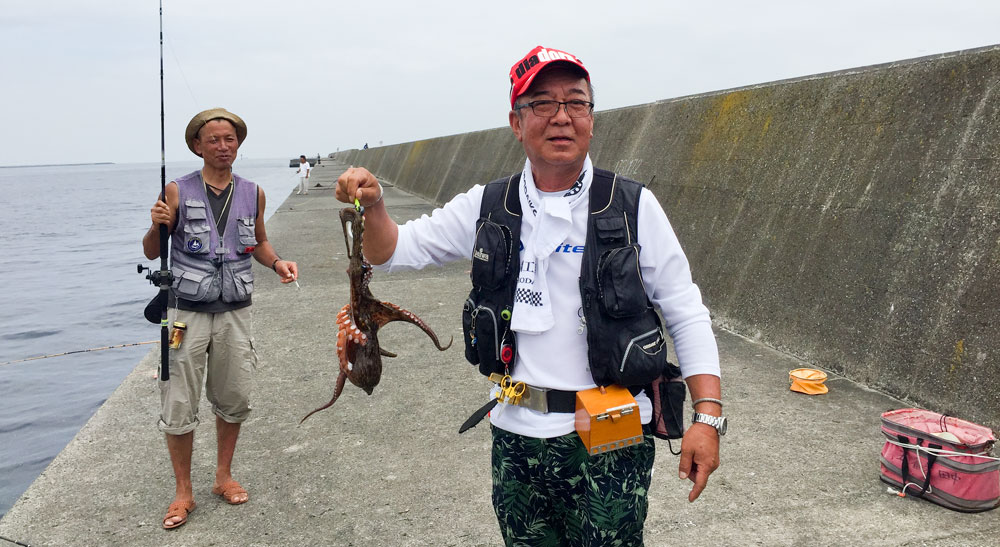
column 205, row 116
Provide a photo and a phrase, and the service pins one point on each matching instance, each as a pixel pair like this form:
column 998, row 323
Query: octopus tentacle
column 388, row 312
column 341, row 380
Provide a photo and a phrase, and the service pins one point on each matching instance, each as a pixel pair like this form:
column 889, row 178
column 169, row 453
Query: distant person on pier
column 570, row 264
column 216, row 219
column 303, row 175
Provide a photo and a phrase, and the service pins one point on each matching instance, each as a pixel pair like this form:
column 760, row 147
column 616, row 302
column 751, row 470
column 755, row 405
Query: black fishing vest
column 624, row 334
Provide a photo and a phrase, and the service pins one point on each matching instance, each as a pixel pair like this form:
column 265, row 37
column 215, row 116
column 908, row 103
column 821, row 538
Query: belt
column 560, row 401
column 565, row 401
column 539, row 399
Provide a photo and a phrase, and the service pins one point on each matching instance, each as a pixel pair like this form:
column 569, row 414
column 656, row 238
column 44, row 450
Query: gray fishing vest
column 206, row 268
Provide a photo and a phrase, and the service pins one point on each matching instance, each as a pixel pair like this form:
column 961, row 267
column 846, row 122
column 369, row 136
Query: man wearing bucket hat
column 597, row 254
column 216, row 219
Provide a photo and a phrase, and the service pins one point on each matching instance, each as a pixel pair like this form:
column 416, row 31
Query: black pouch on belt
column 668, row 393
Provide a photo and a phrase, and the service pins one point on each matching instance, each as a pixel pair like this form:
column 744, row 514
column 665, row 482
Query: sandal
column 178, row 509
column 229, row 491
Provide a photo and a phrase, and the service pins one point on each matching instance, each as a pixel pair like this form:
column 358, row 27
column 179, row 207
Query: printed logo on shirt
column 532, row 298
column 527, row 266
column 564, row 248
column 194, row 244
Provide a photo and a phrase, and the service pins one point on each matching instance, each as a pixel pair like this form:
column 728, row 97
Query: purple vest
column 206, row 267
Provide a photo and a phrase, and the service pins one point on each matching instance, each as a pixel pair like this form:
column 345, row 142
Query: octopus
column 360, row 319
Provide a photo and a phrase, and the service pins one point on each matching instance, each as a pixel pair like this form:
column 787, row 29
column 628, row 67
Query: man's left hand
column 699, row 456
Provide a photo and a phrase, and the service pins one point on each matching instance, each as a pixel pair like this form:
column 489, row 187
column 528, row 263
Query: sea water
column 70, row 240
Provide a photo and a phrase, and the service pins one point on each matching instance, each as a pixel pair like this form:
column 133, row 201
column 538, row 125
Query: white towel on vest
column 545, row 225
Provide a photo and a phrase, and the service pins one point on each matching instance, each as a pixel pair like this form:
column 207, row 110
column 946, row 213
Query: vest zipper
column 496, row 330
column 631, row 343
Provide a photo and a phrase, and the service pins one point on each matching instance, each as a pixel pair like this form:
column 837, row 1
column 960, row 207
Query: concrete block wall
column 850, row 218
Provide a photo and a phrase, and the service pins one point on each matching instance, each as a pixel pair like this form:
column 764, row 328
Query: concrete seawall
column 849, row 219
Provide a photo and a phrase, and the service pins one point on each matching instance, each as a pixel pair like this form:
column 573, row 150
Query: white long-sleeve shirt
column 557, row 358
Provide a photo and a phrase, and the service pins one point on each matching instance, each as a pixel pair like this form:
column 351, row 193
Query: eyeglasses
column 548, row 109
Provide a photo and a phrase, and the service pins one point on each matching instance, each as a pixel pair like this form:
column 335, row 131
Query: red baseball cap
column 524, row 71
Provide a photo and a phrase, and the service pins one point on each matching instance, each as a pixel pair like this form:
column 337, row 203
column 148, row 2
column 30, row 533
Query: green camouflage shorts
column 551, row 492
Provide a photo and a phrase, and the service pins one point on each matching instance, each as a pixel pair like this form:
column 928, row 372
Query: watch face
column 723, row 425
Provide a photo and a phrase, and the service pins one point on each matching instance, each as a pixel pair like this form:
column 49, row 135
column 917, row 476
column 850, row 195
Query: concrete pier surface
column 391, row 469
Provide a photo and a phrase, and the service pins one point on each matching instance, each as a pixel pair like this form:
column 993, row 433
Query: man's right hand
column 161, row 214
column 381, row 232
column 359, row 183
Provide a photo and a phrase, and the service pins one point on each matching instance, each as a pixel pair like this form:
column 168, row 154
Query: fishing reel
column 158, row 278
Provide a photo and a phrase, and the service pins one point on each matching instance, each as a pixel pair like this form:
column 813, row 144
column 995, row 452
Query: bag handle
column 904, row 466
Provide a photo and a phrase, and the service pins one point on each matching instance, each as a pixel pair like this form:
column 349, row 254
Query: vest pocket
column 196, row 237
column 481, row 330
column 490, row 254
column 248, row 236
column 237, row 280
column 611, row 229
column 244, row 286
column 619, row 282
column 643, row 356
column 195, row 210
column 196, row 287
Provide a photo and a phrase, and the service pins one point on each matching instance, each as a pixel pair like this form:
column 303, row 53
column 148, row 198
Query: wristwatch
column 718, row 422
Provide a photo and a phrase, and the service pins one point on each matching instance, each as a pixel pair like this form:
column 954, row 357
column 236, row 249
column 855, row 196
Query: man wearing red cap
column 574, row 310
column 216, row 219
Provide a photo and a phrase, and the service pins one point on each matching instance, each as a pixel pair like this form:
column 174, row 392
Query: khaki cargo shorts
column 217, row 352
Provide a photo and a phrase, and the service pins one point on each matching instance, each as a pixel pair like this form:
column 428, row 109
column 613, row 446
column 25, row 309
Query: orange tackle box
column 607, row 418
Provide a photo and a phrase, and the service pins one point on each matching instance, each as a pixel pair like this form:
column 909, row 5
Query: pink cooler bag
column 942, row 459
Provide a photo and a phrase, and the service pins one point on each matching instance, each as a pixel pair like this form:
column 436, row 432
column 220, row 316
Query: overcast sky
column 81, row 78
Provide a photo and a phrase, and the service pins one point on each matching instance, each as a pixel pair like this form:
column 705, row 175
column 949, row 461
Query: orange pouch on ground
column 607, row 419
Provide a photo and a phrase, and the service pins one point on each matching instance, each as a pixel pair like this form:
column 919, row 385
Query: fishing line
column 77, row 351
column 181, row 70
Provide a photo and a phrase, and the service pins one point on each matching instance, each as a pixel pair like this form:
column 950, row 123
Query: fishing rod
column 102, row 348
column 162, row 277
